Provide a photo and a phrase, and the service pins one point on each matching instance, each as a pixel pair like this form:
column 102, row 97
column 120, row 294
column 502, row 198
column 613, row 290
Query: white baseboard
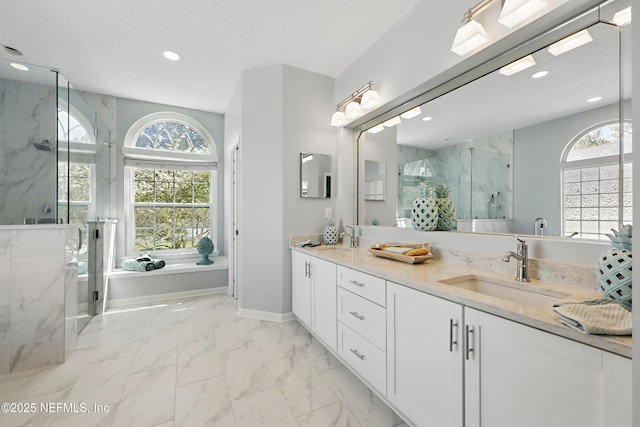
column 148, row 299
column 265, row 315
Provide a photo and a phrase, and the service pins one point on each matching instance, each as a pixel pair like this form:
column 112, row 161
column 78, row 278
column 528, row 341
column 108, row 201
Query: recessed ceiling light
column 539, row 74
column 19, row 66
column 426, row 119
column 12, row 50
column 594, row 99
column 171, row 55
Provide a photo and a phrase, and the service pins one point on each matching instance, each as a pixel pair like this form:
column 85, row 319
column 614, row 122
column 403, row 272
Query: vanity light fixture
column 353, row 110
column 469, row 37
column 392, row 122
column 517, row 66
column 622, row 17
column 370, row 99
column 338, row 119
column 515, row 11
column 353, row 105
column 20, row 67
column 539, row 74
column 594, row 99
column 411, row 113
column 376, row 129
column 472, row 34
column 571, row 42
column 171, row 55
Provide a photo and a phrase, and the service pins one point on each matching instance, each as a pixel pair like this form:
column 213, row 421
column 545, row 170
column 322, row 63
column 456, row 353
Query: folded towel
column 135, row 265
column 157, row 262
column 401, row 250
column 598, row 317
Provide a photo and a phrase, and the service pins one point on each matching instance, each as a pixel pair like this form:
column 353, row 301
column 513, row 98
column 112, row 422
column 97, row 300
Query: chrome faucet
column 522, row 256
column 353, row 239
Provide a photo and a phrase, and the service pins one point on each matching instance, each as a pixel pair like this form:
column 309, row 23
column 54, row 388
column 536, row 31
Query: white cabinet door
column 301, row 287
column 323, row 288
column 516, row 375
column 617, row 391
column 424, row 357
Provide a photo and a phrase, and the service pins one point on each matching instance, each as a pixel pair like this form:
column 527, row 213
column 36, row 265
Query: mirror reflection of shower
column 493, row 209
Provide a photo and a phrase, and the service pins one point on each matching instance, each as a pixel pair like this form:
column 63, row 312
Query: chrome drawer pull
column 453, row 341
column 356, row 315
column 358, row 355
column 353, row 282
column 469, row 341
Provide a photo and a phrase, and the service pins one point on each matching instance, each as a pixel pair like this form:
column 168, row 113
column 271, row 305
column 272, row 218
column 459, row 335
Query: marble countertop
column 426, row 278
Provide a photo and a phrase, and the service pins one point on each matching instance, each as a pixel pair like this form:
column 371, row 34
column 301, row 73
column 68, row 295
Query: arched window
column 596, row 195
column 170, row 182
column 76, row 167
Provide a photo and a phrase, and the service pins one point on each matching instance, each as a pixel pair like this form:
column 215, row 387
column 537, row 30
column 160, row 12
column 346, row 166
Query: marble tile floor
column 192, row 362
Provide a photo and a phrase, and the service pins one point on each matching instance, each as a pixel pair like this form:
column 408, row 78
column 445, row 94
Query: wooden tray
column 378, row 250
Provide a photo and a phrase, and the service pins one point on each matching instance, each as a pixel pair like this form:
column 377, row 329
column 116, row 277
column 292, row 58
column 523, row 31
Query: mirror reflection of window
column 593, row 202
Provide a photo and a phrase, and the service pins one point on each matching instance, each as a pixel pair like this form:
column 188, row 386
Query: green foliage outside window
column 171, row 209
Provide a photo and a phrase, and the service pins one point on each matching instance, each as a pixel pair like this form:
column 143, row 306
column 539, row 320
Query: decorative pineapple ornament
column 424, row 211
column 330, row 233
column 614, row 268
column 446, row 210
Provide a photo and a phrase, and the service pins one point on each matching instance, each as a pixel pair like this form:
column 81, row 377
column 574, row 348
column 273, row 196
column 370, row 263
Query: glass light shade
column 517, row 66
column 622, row 17
column 411, row 113
column 392, row 121
column 353, row 110
column 338, row 119
column 569, row 43
column 171, row 55
column 370, row 99
column 515, row 11
column 469, row 37
column 376, row 129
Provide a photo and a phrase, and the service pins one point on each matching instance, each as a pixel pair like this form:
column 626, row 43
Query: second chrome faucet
column 521, row 254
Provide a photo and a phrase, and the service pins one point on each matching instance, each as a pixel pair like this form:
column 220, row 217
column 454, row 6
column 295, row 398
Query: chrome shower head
column 45, row 145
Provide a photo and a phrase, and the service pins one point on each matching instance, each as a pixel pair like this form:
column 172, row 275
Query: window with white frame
column 76, row 168
column 596, row 193
column 170, row 182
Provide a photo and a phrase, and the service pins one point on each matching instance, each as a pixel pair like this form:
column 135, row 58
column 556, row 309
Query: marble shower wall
column 28, row 175
column 38, row 296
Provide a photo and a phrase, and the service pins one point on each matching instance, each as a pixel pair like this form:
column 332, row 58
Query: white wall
column 284, row 111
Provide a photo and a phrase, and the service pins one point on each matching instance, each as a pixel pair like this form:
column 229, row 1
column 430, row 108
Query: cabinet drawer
column 363, row 316
column 363, row 357
column 371, row 287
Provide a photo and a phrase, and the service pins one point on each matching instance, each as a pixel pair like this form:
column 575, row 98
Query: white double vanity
column 441, row 355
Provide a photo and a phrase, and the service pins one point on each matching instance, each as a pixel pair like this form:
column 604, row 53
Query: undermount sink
column 511, row 291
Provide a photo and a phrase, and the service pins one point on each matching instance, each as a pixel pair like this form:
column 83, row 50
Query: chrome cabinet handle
column 353, row 282
column 358, row 355
column 356, row 315
column 469, row 341
column 453, row 339
column 307, row 269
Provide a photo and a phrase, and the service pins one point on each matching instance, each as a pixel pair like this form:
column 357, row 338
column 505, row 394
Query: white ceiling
column 114, row 47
